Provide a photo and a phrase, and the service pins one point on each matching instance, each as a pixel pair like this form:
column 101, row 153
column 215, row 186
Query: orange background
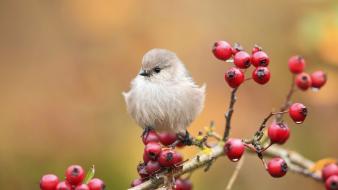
column 65, row 63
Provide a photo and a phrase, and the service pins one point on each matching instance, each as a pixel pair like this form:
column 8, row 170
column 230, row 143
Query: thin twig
column 287, row 101
column 259, row 133
column 235, row 174
column 228, row 114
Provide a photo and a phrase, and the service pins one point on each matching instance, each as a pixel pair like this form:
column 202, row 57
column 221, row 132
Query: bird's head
column 161, row 64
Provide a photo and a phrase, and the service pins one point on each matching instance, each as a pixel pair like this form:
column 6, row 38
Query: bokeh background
column 64, row 64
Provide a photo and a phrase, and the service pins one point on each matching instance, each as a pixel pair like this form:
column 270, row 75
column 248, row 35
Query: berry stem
column 229, row 113
column 287, row 101
column 229, row 61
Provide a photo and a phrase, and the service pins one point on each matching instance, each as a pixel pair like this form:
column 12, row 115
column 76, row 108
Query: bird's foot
column 185, row 139
column 146, row 131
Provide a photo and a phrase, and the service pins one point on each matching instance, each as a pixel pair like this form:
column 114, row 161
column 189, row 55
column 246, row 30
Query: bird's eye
column 157, row 69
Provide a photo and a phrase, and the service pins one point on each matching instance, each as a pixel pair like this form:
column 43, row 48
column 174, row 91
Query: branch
column 228, row 114
column 296, row 163
column 287, row 101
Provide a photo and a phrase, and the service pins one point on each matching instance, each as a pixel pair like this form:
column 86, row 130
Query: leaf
column 199, row 137
column 320, row 164
column 90, row 175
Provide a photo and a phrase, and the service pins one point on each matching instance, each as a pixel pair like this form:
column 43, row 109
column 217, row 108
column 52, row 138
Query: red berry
column 82, row 187
column 63, row 186
column 298, row 112
column 277, row 167
column 152, row 167
column 296, row 64
column 329, row 170
column 260, row 58
column 75, row 175
column 303, row 81
column 234, row 149
column 183, row 184
column 255, row 49
column 169, row 158
column 136, row 182
column 222, row 50
column 261, row 75
column 150, row 136
column 332, row 183
column 318, row 79
column 141, row 170
column 145, row 158
column 152, row 150
column 236, row 48
column 234, row 77
column 242, row 60
column 278, row 133
column 167, row 138
column 49, row 182
column 97, row 184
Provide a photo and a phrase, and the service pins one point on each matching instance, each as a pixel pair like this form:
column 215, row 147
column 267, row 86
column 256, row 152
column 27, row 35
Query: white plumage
column 164, row 96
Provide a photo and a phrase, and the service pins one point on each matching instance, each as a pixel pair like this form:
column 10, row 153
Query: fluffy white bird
column 163, row 96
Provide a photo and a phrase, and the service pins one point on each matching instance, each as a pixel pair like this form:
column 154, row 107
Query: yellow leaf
column 320, row 164
column 199, row 137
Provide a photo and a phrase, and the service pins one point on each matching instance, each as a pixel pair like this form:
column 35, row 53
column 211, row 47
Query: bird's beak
column 145, row 73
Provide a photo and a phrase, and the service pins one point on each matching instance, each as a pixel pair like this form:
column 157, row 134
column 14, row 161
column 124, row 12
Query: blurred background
column 64, row 65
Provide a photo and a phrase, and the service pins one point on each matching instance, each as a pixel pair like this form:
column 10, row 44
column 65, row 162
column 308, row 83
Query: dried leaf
column 320, row 164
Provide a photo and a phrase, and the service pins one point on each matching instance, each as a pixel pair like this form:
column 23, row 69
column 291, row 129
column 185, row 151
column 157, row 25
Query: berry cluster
column 303, row 80
column 158, row 156
column 74, row 180
column 278, row 132
column 242, row 60
column 330, row 176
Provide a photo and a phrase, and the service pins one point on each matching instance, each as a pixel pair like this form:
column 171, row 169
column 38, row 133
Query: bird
column 163, row 96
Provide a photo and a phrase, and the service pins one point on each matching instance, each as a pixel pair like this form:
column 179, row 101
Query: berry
column 234, row 149
column 167, row 138
column 260, row 58
column 222, row 50
column 296, row 64
column 329, row 170
column 169, row 158
column 97, row 184
column 135, row 182
column 298, row 112
column 145, row 158
column 261, row 75
column 152, row 150
column 152, row 167
column 332, row 183
column 277, row 167
column 141, row 170
column 49, row 182
column 318, row 79
column 63, row 186
column 236, row 48
column 278, row 133
column 82, row 187
column 150, row 136
column 255, row 49
column 303, row 81
column 183, row 184
column 242, row 60
column 234, row 77
column 74, row 175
